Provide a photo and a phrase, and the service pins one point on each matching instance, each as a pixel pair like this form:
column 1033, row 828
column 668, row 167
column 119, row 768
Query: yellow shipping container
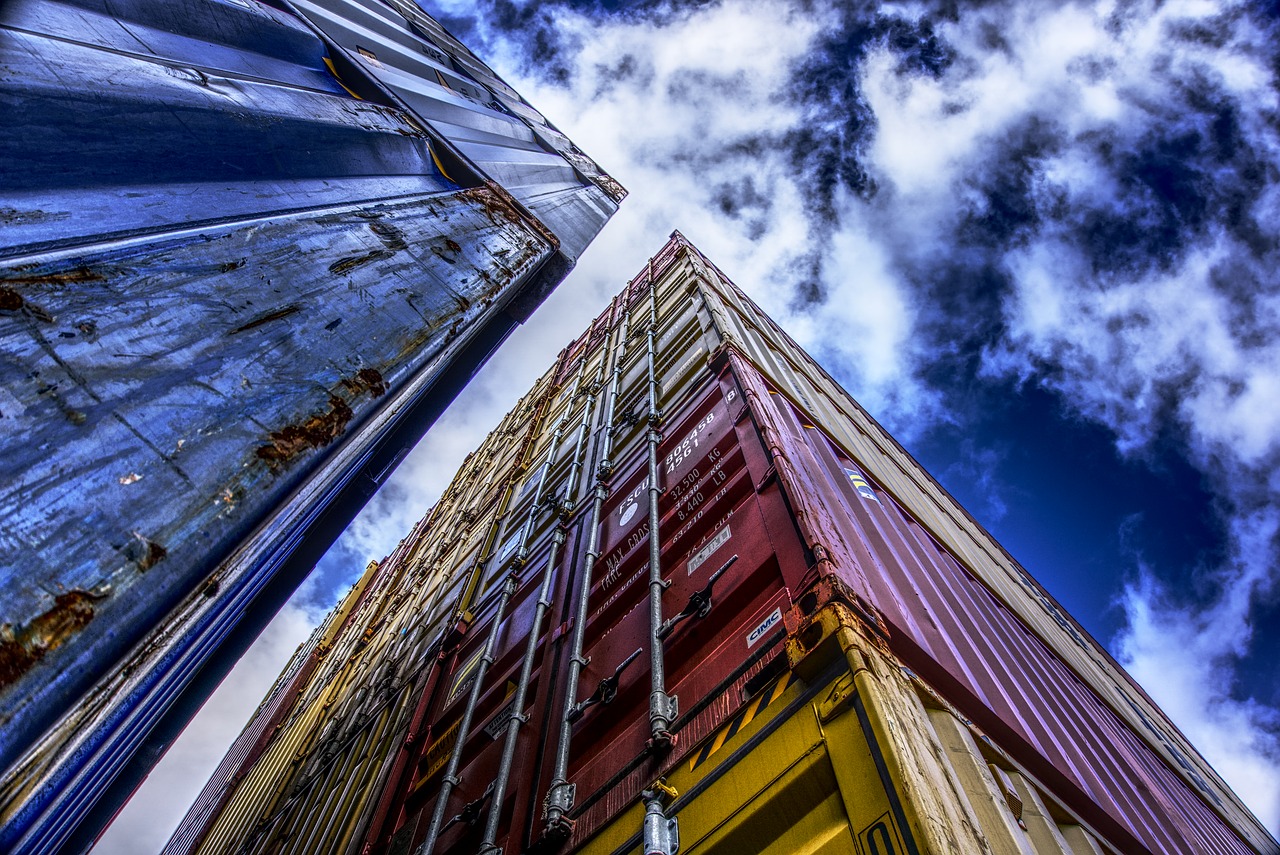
column 849, row 752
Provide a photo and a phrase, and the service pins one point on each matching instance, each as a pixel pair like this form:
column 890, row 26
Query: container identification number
column 687, row 445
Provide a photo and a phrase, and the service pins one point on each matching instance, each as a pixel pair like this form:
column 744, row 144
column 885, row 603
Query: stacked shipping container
column 250, row 250
column 689, row 589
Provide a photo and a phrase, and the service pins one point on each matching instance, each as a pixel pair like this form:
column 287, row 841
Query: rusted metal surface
column 238, row 276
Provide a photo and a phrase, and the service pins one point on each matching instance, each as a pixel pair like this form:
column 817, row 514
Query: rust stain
column 228, row 266
column 351, row 262
column 316, row 432
column 373, row 381
column 495, row 205
column 14, row 217
column 321, row 429
column 392, row 239
column 266, row 319
column 10, row 300
column 64, row 277
column 498, row 205
column 144, row 552
column 20, row 650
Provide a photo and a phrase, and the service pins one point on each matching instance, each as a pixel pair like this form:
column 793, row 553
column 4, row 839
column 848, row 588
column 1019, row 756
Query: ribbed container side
column 440, row 86
column 950, row 627
column 321, row 785
column 847, row 683
column 211, row 420
column 247, row 746
column 693, row 404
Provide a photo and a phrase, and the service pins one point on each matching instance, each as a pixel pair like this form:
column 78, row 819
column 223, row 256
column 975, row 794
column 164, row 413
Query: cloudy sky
column 1037, row 240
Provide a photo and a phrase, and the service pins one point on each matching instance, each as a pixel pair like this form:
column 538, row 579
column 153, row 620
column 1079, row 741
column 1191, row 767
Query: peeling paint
column 144, row 552
column 20, row 650
column 316, row 432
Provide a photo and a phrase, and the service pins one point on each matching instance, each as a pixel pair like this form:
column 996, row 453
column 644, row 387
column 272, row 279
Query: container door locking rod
column 510, row 737
column 700, row 602
column 450, row 779
column 663, row 708
column 560, row 794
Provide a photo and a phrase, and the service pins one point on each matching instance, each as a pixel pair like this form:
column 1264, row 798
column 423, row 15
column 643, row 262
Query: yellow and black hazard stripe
column 744, row 717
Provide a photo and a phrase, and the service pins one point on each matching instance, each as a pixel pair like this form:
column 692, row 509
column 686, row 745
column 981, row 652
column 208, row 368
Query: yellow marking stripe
column 440, row 166
column 329, row 64
column 438, row 753
column 742, row 719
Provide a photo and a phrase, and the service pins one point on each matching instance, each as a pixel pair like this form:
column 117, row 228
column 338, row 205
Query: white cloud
column 1185, row 659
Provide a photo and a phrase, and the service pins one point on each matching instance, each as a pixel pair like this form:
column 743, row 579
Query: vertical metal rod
column 560, row 794
column 488, row 845
column 662, row 707
column 450, row 779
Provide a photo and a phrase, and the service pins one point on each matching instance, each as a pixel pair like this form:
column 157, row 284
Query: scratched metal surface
column 152, row 420
column 224, row 277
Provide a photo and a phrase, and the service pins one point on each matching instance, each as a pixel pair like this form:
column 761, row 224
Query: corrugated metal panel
column 949, row 627
column 262, row 727
column 771, row 535
column 434, row 78
column 329, row 758
column 238, row 276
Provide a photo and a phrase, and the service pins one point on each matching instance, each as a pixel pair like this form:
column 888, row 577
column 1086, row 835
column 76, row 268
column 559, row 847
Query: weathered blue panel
column 246, row 254
column 158, row 395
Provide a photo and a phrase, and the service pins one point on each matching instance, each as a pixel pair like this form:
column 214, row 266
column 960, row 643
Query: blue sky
column 1038, row 241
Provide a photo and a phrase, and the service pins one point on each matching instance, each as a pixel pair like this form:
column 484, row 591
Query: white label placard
column 720, row 539
column 774, row 618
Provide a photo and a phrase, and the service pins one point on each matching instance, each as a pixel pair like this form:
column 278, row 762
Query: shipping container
column 689, row 588
column 250, row 251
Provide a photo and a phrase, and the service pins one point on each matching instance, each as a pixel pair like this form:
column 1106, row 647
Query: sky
column 1037, row 241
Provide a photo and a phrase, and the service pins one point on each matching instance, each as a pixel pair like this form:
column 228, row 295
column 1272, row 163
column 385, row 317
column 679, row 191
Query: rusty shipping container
column 689, row 589
column 250, row 250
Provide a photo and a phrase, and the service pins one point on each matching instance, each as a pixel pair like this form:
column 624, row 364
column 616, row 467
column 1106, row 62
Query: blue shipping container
column 248, row 253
